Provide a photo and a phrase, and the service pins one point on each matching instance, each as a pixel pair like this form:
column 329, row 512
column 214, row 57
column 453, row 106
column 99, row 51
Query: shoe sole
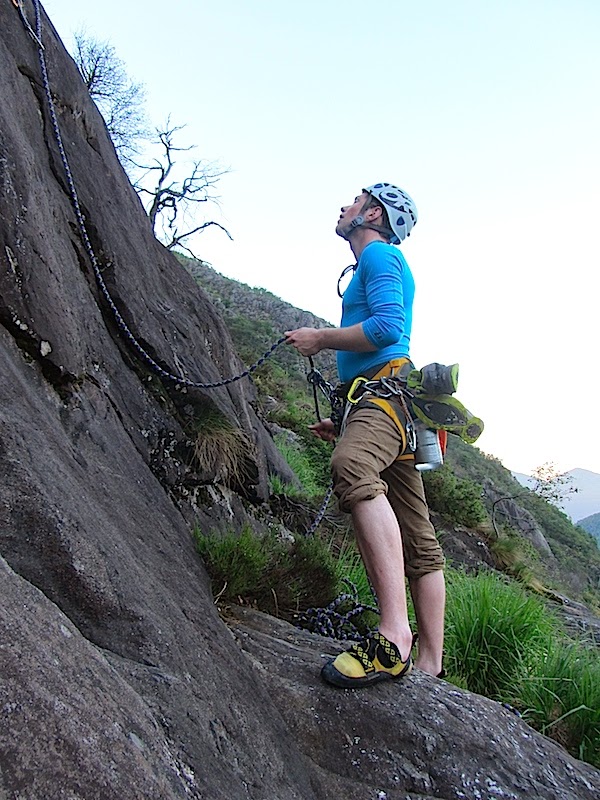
column 335, row 678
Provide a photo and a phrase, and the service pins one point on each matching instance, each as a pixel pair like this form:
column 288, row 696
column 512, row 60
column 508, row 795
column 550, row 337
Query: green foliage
column 236, row 564
column 457, row 499
column 350, row 567
column 495, row 632
column 505, row 644
column 278, row 576
column 561, row 697
column 309, row 461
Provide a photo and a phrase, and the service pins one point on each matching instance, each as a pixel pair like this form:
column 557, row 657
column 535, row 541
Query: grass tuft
column 494, row 632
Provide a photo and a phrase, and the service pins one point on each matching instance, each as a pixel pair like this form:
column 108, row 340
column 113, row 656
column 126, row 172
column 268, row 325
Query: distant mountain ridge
column 591, row 525
column 582, row 504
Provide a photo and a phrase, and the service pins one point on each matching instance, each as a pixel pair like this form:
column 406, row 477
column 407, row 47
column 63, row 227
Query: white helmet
column 400, row 207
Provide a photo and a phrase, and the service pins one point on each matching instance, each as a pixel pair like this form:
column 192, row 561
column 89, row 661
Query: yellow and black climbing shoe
column 373, row 660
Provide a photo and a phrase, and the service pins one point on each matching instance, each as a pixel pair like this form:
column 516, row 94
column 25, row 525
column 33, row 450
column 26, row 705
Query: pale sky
column 486, row 112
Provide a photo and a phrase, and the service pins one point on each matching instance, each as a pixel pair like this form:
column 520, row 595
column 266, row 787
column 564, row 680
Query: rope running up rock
column 37, row 36
column 165, row 374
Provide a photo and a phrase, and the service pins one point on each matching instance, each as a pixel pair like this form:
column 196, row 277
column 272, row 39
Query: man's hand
column 324, row 429
column 307, row 341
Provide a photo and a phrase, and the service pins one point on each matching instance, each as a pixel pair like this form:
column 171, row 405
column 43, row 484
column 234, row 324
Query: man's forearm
column 351, row 338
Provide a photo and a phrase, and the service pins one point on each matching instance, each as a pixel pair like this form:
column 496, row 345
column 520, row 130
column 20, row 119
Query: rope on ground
column 146, row 357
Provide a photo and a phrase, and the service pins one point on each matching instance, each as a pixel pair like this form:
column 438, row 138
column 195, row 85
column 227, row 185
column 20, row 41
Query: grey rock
column 118, row 678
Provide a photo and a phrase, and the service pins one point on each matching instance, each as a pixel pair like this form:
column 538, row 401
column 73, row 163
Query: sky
column 485, row 112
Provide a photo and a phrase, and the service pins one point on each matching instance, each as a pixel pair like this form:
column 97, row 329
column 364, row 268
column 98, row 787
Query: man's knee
column 350, row 484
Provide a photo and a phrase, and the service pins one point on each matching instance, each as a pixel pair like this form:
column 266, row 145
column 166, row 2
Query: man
column 372, row 464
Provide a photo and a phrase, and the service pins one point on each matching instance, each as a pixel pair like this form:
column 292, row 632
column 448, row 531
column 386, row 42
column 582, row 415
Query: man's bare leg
column 380, row 544
column 429, row 598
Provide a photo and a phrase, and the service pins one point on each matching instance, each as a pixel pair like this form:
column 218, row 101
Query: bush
column 458, row 500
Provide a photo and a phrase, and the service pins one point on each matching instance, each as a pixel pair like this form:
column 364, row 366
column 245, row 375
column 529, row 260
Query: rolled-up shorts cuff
column 365, row 489
column 434, row 564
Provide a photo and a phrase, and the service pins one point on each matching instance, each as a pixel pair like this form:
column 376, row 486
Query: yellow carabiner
column 355, row 385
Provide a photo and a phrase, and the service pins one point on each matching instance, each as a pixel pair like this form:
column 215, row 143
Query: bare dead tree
column 171, row 190
column 172, row 201
column 120, row 101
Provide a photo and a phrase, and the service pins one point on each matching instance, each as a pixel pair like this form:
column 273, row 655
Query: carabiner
column 356, row 385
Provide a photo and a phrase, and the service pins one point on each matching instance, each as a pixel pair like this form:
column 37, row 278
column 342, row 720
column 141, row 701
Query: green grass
column 273, row 574
column 495, row 631
column 310, row 465
column 561, row 697
column 504, row 643
column 350, row 569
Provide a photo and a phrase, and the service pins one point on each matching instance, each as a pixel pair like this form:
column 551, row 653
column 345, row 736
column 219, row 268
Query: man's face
column 350, row 213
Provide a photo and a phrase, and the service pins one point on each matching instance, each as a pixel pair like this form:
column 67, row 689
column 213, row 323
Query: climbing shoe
column 373, row 660
column 433, row 379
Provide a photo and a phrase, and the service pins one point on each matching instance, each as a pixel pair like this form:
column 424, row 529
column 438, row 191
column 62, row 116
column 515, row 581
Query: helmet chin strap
column 359, row 222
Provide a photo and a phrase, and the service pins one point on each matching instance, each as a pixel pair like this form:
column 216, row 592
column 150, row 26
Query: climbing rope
column 126, row 331
column 124, row 328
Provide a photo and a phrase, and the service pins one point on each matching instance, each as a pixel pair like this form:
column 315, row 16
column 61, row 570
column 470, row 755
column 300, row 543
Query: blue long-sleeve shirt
column 380, row 295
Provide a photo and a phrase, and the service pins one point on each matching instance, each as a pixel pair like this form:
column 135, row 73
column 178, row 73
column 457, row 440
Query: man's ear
column 373, row 213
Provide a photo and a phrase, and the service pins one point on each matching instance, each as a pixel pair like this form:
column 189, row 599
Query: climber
column 374, row 477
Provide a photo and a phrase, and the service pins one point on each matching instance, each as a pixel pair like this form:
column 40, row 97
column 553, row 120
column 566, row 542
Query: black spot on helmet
column 394, row 200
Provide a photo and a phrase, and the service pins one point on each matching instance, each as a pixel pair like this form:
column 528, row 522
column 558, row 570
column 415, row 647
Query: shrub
column 458, row 500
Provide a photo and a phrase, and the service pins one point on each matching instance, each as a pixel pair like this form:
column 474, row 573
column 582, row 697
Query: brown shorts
column 364, row 464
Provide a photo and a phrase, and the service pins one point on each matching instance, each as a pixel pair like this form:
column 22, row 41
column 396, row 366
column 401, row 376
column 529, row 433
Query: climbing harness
column 124, row 328
column 424, row 396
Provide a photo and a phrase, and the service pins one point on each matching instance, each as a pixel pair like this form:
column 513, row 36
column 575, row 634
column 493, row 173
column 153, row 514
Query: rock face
column 118, row 679
column 507, row 510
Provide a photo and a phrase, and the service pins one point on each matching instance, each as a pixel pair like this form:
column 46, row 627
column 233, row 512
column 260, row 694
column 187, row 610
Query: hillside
column 591, row 524
column 565, row 555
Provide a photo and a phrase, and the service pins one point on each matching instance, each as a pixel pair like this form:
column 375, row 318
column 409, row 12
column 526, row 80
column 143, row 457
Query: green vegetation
column 457, row 499
column 561, row 698
column 275, row 575
column 494, row 631
column 501, row 641
column 309, row 459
